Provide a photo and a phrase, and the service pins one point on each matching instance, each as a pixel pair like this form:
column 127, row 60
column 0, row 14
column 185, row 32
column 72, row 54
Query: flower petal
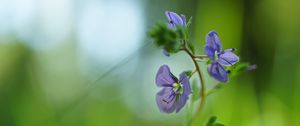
column 218, row 72
column 183, row 19
column 213, row 44
column 210, row 52
column 174, row 19
column 184, row 80
column 181, row 101
column 227, row 58
column 164, row 77
column 165, row 100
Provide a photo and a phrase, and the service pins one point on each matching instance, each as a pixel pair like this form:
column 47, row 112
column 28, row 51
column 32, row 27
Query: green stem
column 200, row 57
column 202, row 92
column 214, row 89
column 193, row 72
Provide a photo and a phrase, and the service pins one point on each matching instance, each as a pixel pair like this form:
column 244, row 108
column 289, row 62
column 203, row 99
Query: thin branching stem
column 193, row 72
column 202, row 85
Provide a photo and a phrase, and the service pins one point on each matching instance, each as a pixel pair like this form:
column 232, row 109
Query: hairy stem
column 193, row 72
column 202, row 84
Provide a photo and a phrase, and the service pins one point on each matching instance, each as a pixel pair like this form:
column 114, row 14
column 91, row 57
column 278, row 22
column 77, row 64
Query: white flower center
column 177, row 88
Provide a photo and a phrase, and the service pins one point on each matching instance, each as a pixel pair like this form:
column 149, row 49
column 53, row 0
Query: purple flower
column 175, row 20
column 219, row 57
column 174, row 93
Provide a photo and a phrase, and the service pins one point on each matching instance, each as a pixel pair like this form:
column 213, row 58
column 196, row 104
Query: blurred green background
column 90, row 62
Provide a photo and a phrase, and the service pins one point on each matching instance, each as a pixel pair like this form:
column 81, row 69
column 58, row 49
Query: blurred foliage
column 165, row 37
column 51, row 87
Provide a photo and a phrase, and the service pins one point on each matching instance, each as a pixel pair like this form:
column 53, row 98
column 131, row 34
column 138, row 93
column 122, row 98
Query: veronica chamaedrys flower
column 219, row 57
column 175, row 20
column 174, row 93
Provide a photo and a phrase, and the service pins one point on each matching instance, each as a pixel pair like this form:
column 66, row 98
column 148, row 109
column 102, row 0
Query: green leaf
column 191, row 47
column 218, row 124
column 161, row 34
column 166, row 38
column 196, row 90
column 189, row 22
column 212, row 122
column 183, row 32
column 189, row 73
column 238, row 69
column 209, row 61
